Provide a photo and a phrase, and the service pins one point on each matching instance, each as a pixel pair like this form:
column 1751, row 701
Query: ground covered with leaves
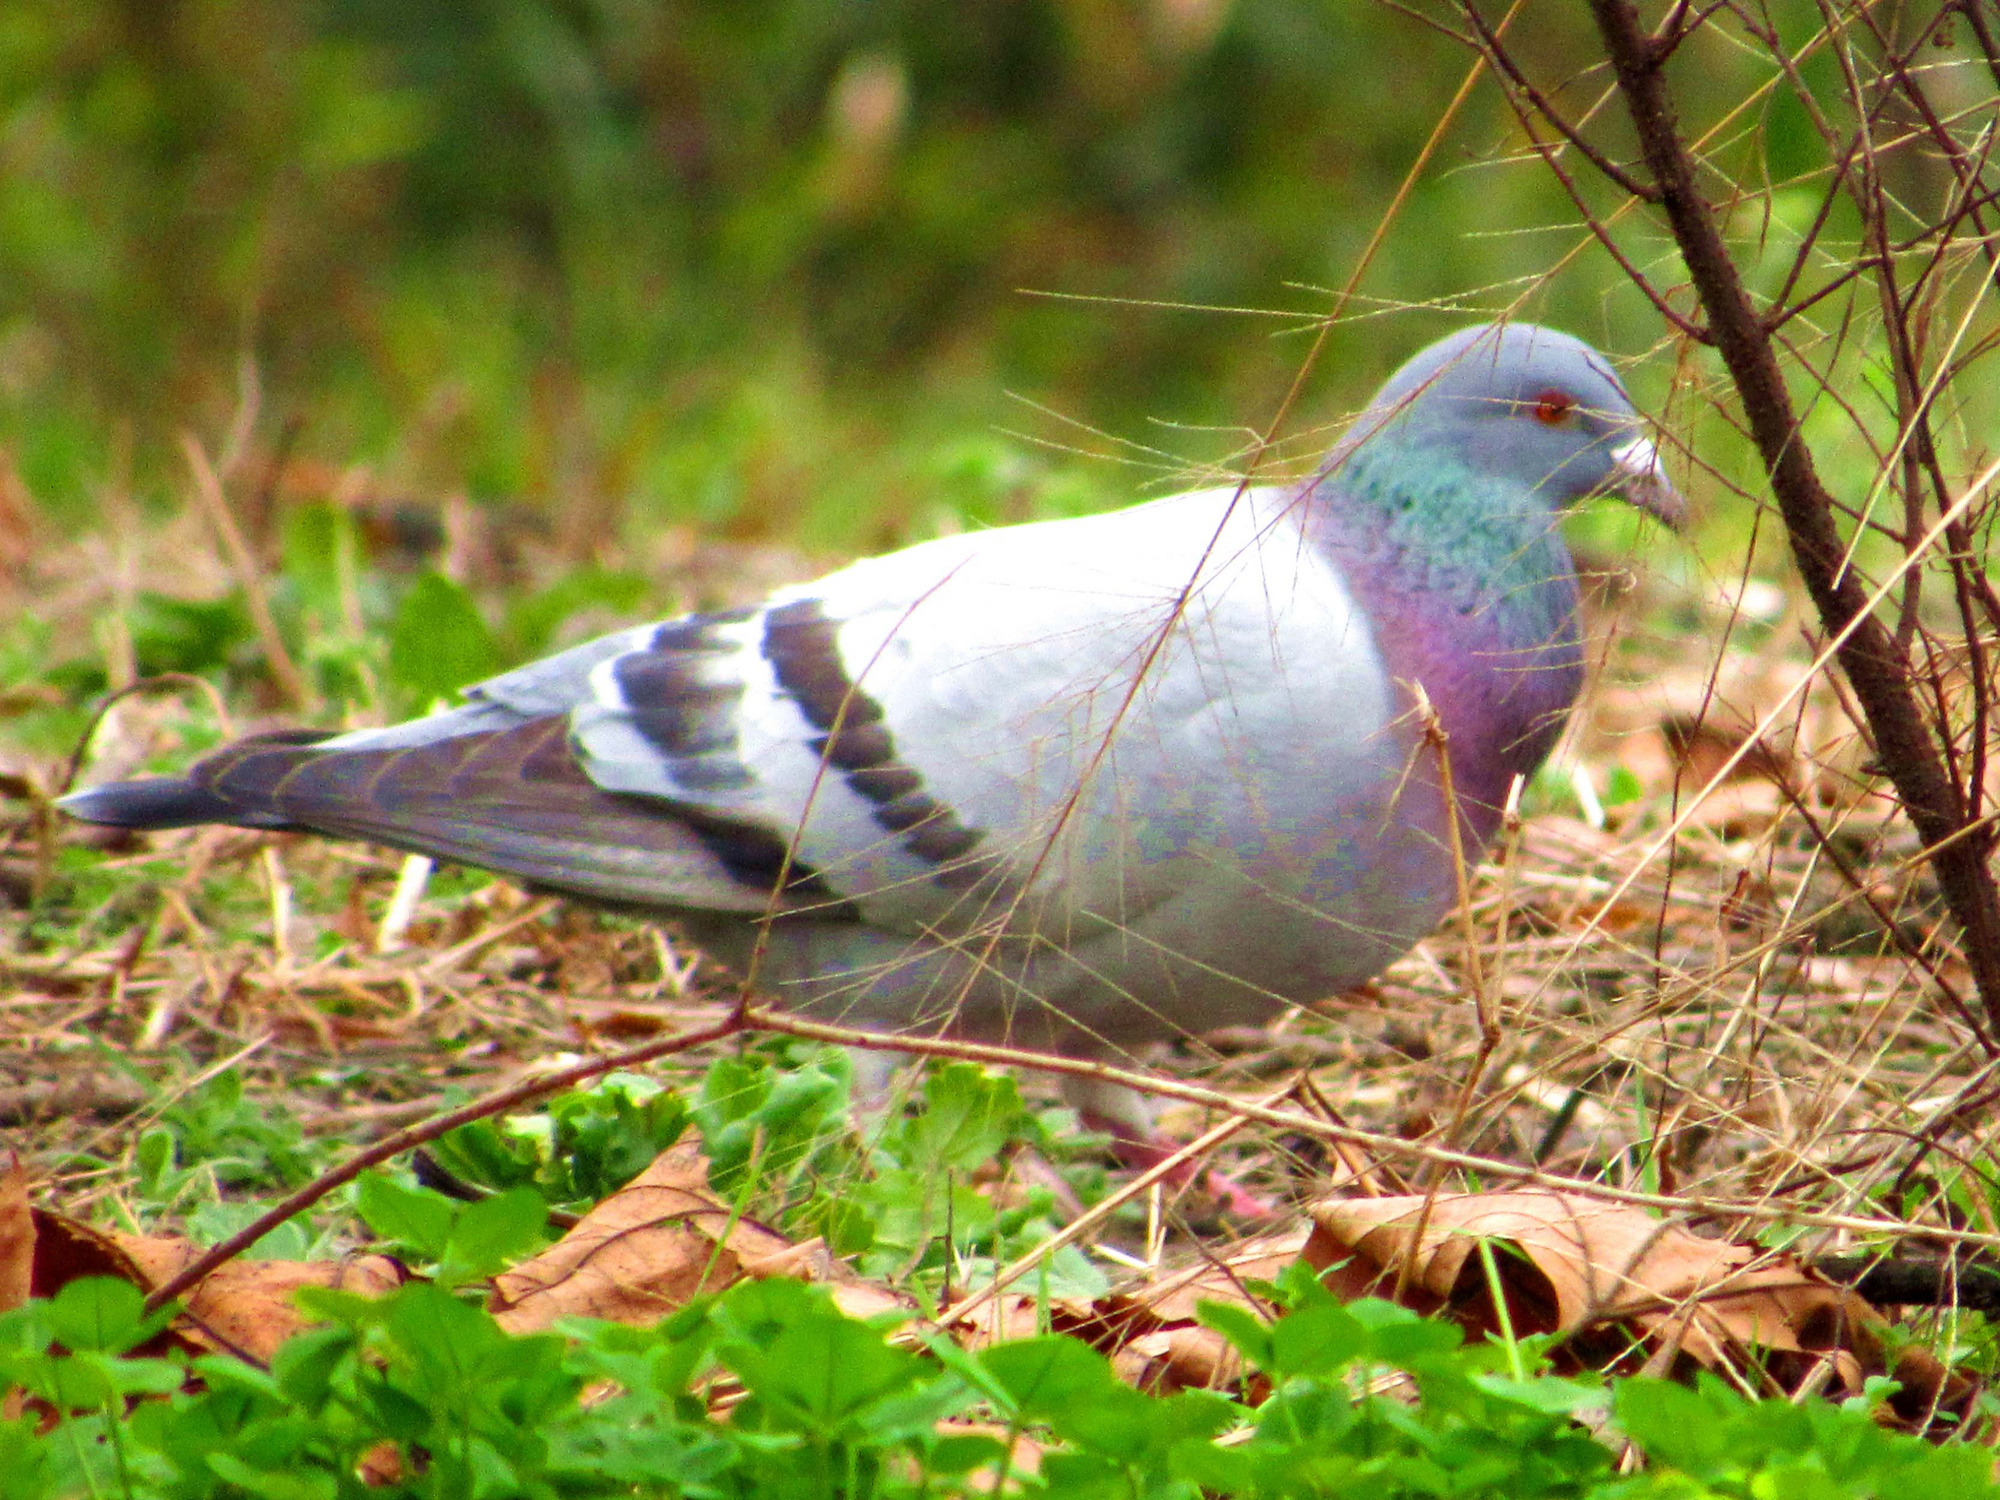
column 1691, row 1059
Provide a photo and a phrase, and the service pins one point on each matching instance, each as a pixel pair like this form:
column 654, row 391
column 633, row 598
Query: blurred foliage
column 831, row 274
column 759, row 265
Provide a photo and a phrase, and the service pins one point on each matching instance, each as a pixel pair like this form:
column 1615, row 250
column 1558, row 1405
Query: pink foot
column 1141, row 1149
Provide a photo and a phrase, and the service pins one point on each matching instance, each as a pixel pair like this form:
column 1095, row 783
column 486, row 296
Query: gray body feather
column 1074, row 784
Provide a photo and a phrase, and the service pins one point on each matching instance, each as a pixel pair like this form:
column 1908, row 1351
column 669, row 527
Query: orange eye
column 1553, row 408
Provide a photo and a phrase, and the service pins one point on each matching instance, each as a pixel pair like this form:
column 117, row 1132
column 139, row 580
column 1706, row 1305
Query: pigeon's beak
column 1636, row 474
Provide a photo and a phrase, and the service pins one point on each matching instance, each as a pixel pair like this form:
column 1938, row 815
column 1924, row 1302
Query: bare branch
column 1503, row 64
column 1879, row 670
column 1602, row 232
column 1981, row 32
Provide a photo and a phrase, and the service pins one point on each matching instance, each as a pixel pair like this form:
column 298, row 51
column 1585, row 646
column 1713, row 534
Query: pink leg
column 1138, row 1146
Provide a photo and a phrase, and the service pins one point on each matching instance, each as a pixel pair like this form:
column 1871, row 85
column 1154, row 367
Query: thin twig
column 248, row 577
column 392, row 1146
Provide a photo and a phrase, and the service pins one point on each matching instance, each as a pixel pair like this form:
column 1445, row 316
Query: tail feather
column 513, row 800
column 185, row 801
column 158, row 802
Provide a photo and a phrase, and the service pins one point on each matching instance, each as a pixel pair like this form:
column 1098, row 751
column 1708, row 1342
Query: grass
column 1740, row 1023
column 1737, row 1006
column 1739, row 1003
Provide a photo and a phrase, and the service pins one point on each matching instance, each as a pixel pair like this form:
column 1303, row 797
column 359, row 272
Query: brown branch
column 1809, row 241
column 1879, row 671
column 1915, row 1283
column 1602, row 231
column 1599, row 230
column 1921, row 448
column 1503, row 64
column 1914, row 399
column 1829, row 847
column 746, row 1019
column 1683, row 21
column 1780, row 315
column 1981, row 33
column 1908, row 84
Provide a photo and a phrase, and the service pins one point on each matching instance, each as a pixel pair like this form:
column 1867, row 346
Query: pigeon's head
column 1533, row 405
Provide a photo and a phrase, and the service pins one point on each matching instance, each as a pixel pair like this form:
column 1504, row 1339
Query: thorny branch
column 1913, row 739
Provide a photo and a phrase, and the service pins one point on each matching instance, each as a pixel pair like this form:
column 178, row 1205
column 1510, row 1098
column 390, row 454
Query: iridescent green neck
column 1471, row 591
column 1445, row 530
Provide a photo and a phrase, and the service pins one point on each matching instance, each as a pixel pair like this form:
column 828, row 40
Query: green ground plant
column 769, row 1390
column 421, row 1393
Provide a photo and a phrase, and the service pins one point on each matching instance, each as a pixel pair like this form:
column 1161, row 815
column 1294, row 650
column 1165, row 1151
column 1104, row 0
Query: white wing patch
column 1067, row 720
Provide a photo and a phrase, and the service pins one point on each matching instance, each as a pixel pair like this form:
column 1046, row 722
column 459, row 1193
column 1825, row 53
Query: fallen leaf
column 1188, row 1357
column 656, row 1244
column 67, row 1250
column 1737, row 810
column 1596, row 1273
column 17, row 1237
column 1024, row 1315
column 1024, row 1453
column 1172, row 1298
column 1701, row 745
column 1147, row 1326
column 244, row 1307
column 248, row 1307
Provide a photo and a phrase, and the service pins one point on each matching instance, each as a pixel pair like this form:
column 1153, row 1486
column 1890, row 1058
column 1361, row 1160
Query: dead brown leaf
column 1738, row 809
column 1585, row 1269
column 1024, row 1453
column 1148, row 1328
column 662, row 1240
column 1701, row 745
column 1223, row 1278
column 245, row 1308
column 1184, row 1357
column 66, row 1250
column 1022, row 1315
column 248, row 1307
column 17, row 1237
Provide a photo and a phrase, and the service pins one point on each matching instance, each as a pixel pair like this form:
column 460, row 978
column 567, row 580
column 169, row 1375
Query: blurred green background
column 695, row 295
column 837, row 273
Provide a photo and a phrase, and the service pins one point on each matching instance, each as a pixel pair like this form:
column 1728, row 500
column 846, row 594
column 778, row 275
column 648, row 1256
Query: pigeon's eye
column 1553, row 408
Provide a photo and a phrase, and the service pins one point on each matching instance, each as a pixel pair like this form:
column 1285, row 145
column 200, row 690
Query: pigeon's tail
column 156, row 802
column 512, row 799
column 180, row 801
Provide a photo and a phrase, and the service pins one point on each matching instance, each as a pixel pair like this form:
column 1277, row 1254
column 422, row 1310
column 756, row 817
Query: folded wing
column 997, row 717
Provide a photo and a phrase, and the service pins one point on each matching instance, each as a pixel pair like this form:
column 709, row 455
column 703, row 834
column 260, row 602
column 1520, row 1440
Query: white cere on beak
column 1638, row 476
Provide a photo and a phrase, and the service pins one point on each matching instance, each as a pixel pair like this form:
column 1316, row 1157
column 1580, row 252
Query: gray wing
column 1069, row 718
column 1040, row 712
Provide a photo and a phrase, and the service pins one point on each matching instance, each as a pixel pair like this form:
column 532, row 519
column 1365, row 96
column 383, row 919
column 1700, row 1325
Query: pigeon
column 1073, row 785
